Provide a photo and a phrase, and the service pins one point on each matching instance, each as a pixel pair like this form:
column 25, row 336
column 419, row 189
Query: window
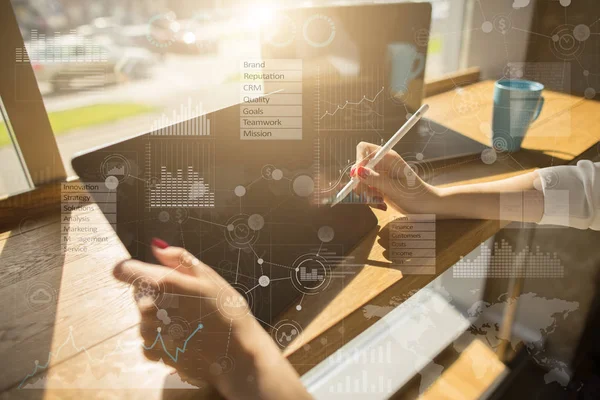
column 13, row 176
column 111, row 69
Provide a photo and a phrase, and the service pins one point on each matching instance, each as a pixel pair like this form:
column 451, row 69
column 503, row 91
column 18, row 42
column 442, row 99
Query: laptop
column 242, row 188
column 363, row 71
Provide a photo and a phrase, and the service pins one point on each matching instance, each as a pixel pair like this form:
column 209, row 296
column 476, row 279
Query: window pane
column 111, row 69
column 12, row 173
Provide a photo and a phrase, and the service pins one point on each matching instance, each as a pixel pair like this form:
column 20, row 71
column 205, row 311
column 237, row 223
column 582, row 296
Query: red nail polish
column 381, row 206
column 161, row 244
column 362, row 172
column 352, row 172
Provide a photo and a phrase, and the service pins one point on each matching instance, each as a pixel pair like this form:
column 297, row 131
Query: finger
column 380, row 181
column 176, row 257
column 161, row 277
column 366, row 151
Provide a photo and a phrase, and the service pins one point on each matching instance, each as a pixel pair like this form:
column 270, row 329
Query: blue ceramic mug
column 517, row 103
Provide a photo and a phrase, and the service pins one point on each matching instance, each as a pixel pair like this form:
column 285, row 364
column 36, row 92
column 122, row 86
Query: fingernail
column 378, row 199
column 352, row 172
column 363, row 172
column 381, row 206
column 161, row 244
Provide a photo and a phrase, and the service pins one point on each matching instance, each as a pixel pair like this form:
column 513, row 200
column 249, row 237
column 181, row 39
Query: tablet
column 245, row 207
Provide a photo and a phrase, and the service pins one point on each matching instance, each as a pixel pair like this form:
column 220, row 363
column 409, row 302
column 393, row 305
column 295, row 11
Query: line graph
column 350, row 102
column 71, row 339
column 178, row 350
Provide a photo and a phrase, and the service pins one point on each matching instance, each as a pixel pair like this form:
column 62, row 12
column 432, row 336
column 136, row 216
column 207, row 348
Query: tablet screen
column 247, row 208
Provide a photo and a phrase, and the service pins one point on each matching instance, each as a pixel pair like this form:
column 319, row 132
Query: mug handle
column 421, row 61
column 538, row 110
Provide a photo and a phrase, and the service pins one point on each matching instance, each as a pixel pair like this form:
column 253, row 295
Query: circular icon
column 589, row 93
column 408, row 171
column 256, row 222
column 267, row 171
column 564, row 44
column 281, row 32
column 501, row 145
column 111, row 182
column 239, row 191
column 40, row 296
column 180, row 215
column 487, row 27
column 239, row 234
column 399, row 94
column 234, row 304
column 422, row 37
column 152, row 182
column 466, row 101
column 581, row 32
column 164, row 216
column 325, row 234
column 226, row 363
column 550, row 179
column 145, row 287
column 28, row 227
column 225, row 266
column 311, row 274
column 286, row 331
column 502, row 23
column 264, row 281
column 187, row 260
column 162, row 30
column 489, row 156
column 303, row 185
column 115, row 165
column 319, row 30
column 178, row 329
column 277, row 174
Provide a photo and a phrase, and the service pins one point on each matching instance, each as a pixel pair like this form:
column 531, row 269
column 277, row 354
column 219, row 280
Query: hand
column 235, row 355
column 393, row 180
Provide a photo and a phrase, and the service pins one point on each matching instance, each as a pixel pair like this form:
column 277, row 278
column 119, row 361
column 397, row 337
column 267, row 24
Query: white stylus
column 383, row 150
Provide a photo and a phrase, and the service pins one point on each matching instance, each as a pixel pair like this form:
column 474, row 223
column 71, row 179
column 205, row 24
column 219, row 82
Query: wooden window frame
column 24, row 106
column 29, row 129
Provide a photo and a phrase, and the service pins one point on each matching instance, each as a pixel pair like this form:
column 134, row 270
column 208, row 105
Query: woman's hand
column 199, row 338
column 393, row 180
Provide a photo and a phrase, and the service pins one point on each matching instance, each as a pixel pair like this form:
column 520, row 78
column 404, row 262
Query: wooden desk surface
column 91, row 328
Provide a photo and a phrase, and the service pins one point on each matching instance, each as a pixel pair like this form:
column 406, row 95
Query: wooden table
column 94, row 319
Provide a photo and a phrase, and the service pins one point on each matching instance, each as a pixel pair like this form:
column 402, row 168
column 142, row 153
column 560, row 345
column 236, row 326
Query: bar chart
column 180, row 174
column 188, row 120
column 312, row 276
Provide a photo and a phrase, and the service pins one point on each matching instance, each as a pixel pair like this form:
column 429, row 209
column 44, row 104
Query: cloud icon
column 520, row 4
column 40, row 296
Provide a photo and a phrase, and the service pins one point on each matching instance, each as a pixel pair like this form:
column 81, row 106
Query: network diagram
column 310, row 273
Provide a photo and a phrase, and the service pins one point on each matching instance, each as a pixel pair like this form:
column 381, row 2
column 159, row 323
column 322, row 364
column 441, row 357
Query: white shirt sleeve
column 572, row 195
